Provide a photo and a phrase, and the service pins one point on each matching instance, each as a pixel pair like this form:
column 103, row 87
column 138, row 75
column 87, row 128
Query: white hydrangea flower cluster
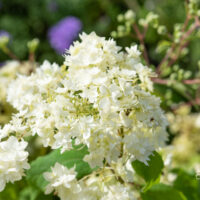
column 102, row 97
column 13, row 160
column 103, row 100
column 101, row 186
column 8, row 72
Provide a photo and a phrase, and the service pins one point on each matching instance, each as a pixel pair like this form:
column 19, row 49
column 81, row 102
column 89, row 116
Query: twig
column 170, row 51
column 31, row 57
column 190, row 82
column 168, row 54
column 141, row 36
column 167, row 81
column 7, row 51
column 184, row 43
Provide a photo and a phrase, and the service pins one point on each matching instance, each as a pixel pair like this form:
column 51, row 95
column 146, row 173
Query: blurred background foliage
column 26, row 20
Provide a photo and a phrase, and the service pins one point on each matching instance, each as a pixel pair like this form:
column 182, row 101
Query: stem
column 183, row 43
column 168, row 54
column 166, row 81
column 175, row 58
column 31, row 57
column 7, row 51
column 141, row 36
column 190, row 82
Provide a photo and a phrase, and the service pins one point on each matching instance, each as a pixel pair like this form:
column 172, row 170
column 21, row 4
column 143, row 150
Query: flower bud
column 33, row 44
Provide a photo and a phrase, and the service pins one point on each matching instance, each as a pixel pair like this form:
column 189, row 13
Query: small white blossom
column 119, row 192
column 62, row 180
column 13, row 160
column 102, row 187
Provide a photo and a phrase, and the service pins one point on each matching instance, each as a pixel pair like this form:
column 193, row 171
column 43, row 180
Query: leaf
column 21, row 190
column 32, row 193
column 150, row 173
column 11, row 191
column 68, row 159
column 162, row 192
column 163, row 45
column 188, row 184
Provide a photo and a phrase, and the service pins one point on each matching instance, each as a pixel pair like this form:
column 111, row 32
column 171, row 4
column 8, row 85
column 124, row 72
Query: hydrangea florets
column 13, row 160
column 102, row 98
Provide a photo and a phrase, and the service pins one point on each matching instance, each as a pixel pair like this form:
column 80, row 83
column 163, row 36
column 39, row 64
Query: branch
column 183, row 43
column 141, row 36
column 167, row 81
column 7, row 51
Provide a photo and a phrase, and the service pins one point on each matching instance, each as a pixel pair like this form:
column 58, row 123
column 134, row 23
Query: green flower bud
column 33, row 44
column 142, row 22
column 168, row 94
column 121, row 28
column 4, row 41
column 114, row 34
column 120, row 18
column 176, row 68
column 173, row 76
column 120, row 34
column 187, row 74
column 128, row 24
column 130, row 16
column 162, row 30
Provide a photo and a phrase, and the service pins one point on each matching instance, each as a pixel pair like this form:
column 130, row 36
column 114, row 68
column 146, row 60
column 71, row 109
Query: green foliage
column 163, row 45
column 188, row 184
column 11, row 191
column 163, row 192
column 21, row 190
column 33, row 18
column 68, row 159
column 150, row 173
column 33, row 193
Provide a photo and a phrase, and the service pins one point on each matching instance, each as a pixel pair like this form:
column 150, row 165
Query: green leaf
column 21, row 190
column 163, row 45
column 150, row 173
column 11, row 191
column 188, row 184
column 33, row 193
column 68, row 159
column 162, row 192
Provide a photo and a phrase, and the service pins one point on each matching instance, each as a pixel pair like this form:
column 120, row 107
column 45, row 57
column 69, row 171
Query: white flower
column 103, row 100
column 13, row 160
column 119, row 192
column 133, row 52
column 101, row 187
column 63, row 181
column 93, row 50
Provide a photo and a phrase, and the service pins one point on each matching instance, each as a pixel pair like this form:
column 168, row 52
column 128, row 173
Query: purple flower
column 62, row 34
column 4, row 33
